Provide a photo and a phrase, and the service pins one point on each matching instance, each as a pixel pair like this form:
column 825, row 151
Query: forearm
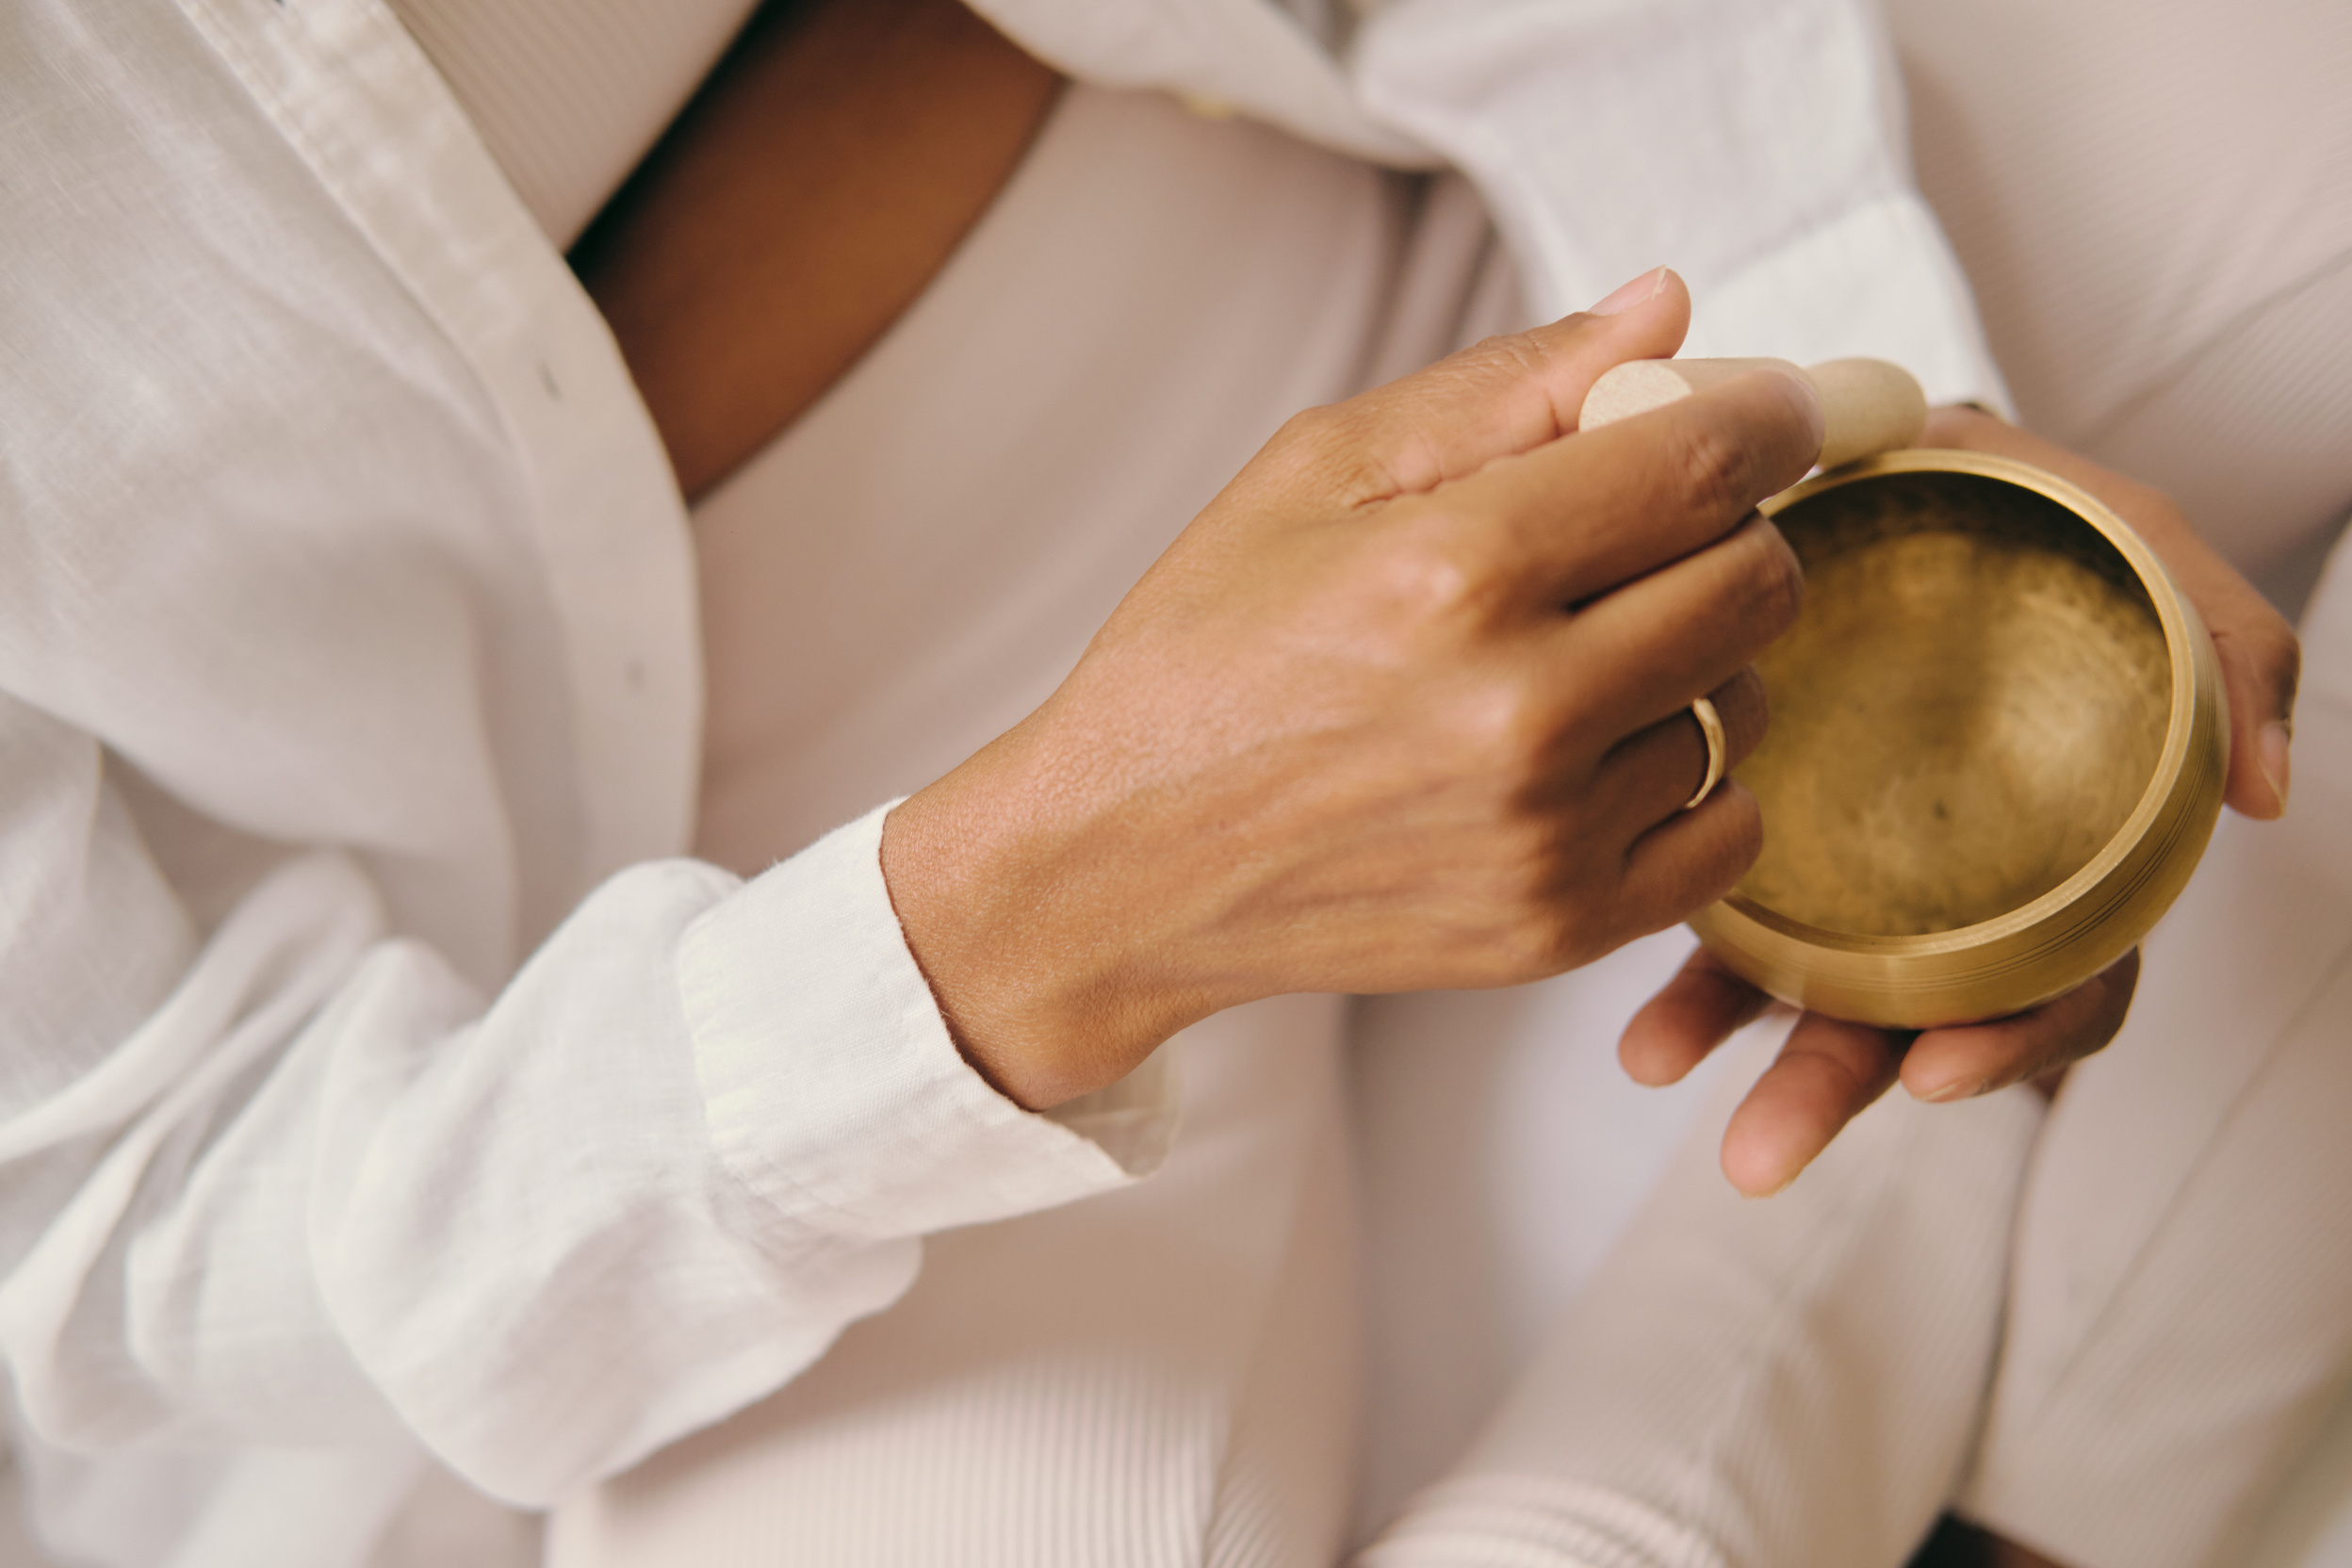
column 1345, row 736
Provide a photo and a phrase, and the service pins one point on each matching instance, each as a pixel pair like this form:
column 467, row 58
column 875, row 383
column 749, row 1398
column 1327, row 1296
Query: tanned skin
column 1343, row 737
column 752, row 259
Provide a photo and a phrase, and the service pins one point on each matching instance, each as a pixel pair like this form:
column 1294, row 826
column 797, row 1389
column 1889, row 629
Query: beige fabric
column 1131, row 1382
column 920, row 560
column 342, row 521
column 1766, row 1385
column 2181, row 1310
column 2152, row 305
column 2154, row 205
column 1573, row 1473
column 1172, row 1374
column 569, row 94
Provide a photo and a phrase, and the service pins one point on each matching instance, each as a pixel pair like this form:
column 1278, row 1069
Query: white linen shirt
column 375, row 1075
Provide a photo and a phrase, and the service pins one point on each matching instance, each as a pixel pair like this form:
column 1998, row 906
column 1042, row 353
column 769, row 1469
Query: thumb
column 2260, row 661
column 1497, row 398
column 2260, row 666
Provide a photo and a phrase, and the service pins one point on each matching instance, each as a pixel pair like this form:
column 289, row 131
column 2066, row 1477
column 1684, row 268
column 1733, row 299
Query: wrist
column 1026, row 929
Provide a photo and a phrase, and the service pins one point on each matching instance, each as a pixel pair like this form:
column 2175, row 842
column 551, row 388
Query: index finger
column 1579, row 517
column 1969, row 1059
column 1826, row 1074
column 1499, row 397
column 1830, row 1072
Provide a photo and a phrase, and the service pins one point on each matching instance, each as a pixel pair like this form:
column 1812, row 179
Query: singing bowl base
column 1995, row 750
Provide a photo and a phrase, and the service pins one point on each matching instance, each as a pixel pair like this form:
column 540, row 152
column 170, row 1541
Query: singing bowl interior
column 1993, row 698
column 1973, row 703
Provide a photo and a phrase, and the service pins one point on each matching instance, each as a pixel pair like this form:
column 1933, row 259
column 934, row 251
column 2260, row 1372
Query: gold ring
column 1710, row 726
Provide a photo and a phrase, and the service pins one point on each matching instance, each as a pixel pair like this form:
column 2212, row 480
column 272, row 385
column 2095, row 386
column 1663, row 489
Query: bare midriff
column 807, row 196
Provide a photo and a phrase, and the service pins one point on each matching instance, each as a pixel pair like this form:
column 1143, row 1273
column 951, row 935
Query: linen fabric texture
column 381, row 1081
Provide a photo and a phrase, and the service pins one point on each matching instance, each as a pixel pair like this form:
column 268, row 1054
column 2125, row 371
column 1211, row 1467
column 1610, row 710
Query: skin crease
column 1343, row 736
column 747, row 266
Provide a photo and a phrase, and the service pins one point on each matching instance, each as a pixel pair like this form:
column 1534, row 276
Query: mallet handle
column 1870, row 406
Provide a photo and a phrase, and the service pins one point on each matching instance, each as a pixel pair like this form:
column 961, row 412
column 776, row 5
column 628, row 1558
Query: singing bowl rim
column 2053, row 943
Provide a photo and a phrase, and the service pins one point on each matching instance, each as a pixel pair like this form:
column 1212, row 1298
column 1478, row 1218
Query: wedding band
column 1710, row 726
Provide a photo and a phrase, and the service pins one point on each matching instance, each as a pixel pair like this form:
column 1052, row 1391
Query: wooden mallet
column 1870, row 406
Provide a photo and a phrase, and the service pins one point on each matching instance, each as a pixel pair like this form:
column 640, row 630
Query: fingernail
column 2272, row 753
column 1641, row 290
column 1955, row 1088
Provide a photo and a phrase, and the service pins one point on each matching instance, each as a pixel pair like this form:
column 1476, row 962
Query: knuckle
column 1431, row 568
column 1359, row 453
column 1572, row 937
column 1491, row 366
column 1556, row 918
column 1720, row 857
column 2279, row 652
column 1713, row 468
column 1332, row 452
column 2133, row 496
column 1308, row 441
column 1742, row 839
column 2269, row 648
column 1745, row 707
column 1551, row 935
column 1310, row 428
column 1503, row 726
column 1426, row 572
column 1777, row 582
column 1511, row 354
column 1756, row 585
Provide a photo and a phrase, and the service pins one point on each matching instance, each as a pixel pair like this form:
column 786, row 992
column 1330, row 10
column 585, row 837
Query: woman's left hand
column 1830, row 1069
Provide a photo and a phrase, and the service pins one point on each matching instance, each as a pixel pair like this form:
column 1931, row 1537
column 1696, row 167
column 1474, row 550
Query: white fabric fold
column 766, row 973
column 347, row 662
column 1756, row 149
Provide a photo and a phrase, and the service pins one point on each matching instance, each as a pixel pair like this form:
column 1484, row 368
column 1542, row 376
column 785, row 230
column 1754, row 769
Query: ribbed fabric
column 569, row 94
column 2154, row 203
column 2251, row 433
column 1515, row 1521
column 1182, row 1400
column 2152, row 302
column 1168, row 1377
column 1757, row 1384
column 1282, row 1489
column 1745, row 1386
column 2182, row 1313
column 2155, row 206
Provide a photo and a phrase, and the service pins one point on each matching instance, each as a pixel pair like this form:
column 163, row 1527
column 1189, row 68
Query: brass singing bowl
column 1998, row 747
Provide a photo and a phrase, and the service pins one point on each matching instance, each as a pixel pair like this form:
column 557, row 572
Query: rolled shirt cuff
column 832, row 1087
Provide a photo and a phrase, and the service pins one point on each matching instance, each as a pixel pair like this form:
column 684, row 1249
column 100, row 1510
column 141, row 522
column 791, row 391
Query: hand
column 1830, row 1070
column 1347, row 735
column 2260, row 661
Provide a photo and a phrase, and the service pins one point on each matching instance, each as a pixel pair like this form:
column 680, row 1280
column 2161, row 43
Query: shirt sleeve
column 298, row 1181
column 366, row 1076
column 1755, row 146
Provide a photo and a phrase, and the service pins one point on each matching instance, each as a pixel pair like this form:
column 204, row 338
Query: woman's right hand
column 1348, row 734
